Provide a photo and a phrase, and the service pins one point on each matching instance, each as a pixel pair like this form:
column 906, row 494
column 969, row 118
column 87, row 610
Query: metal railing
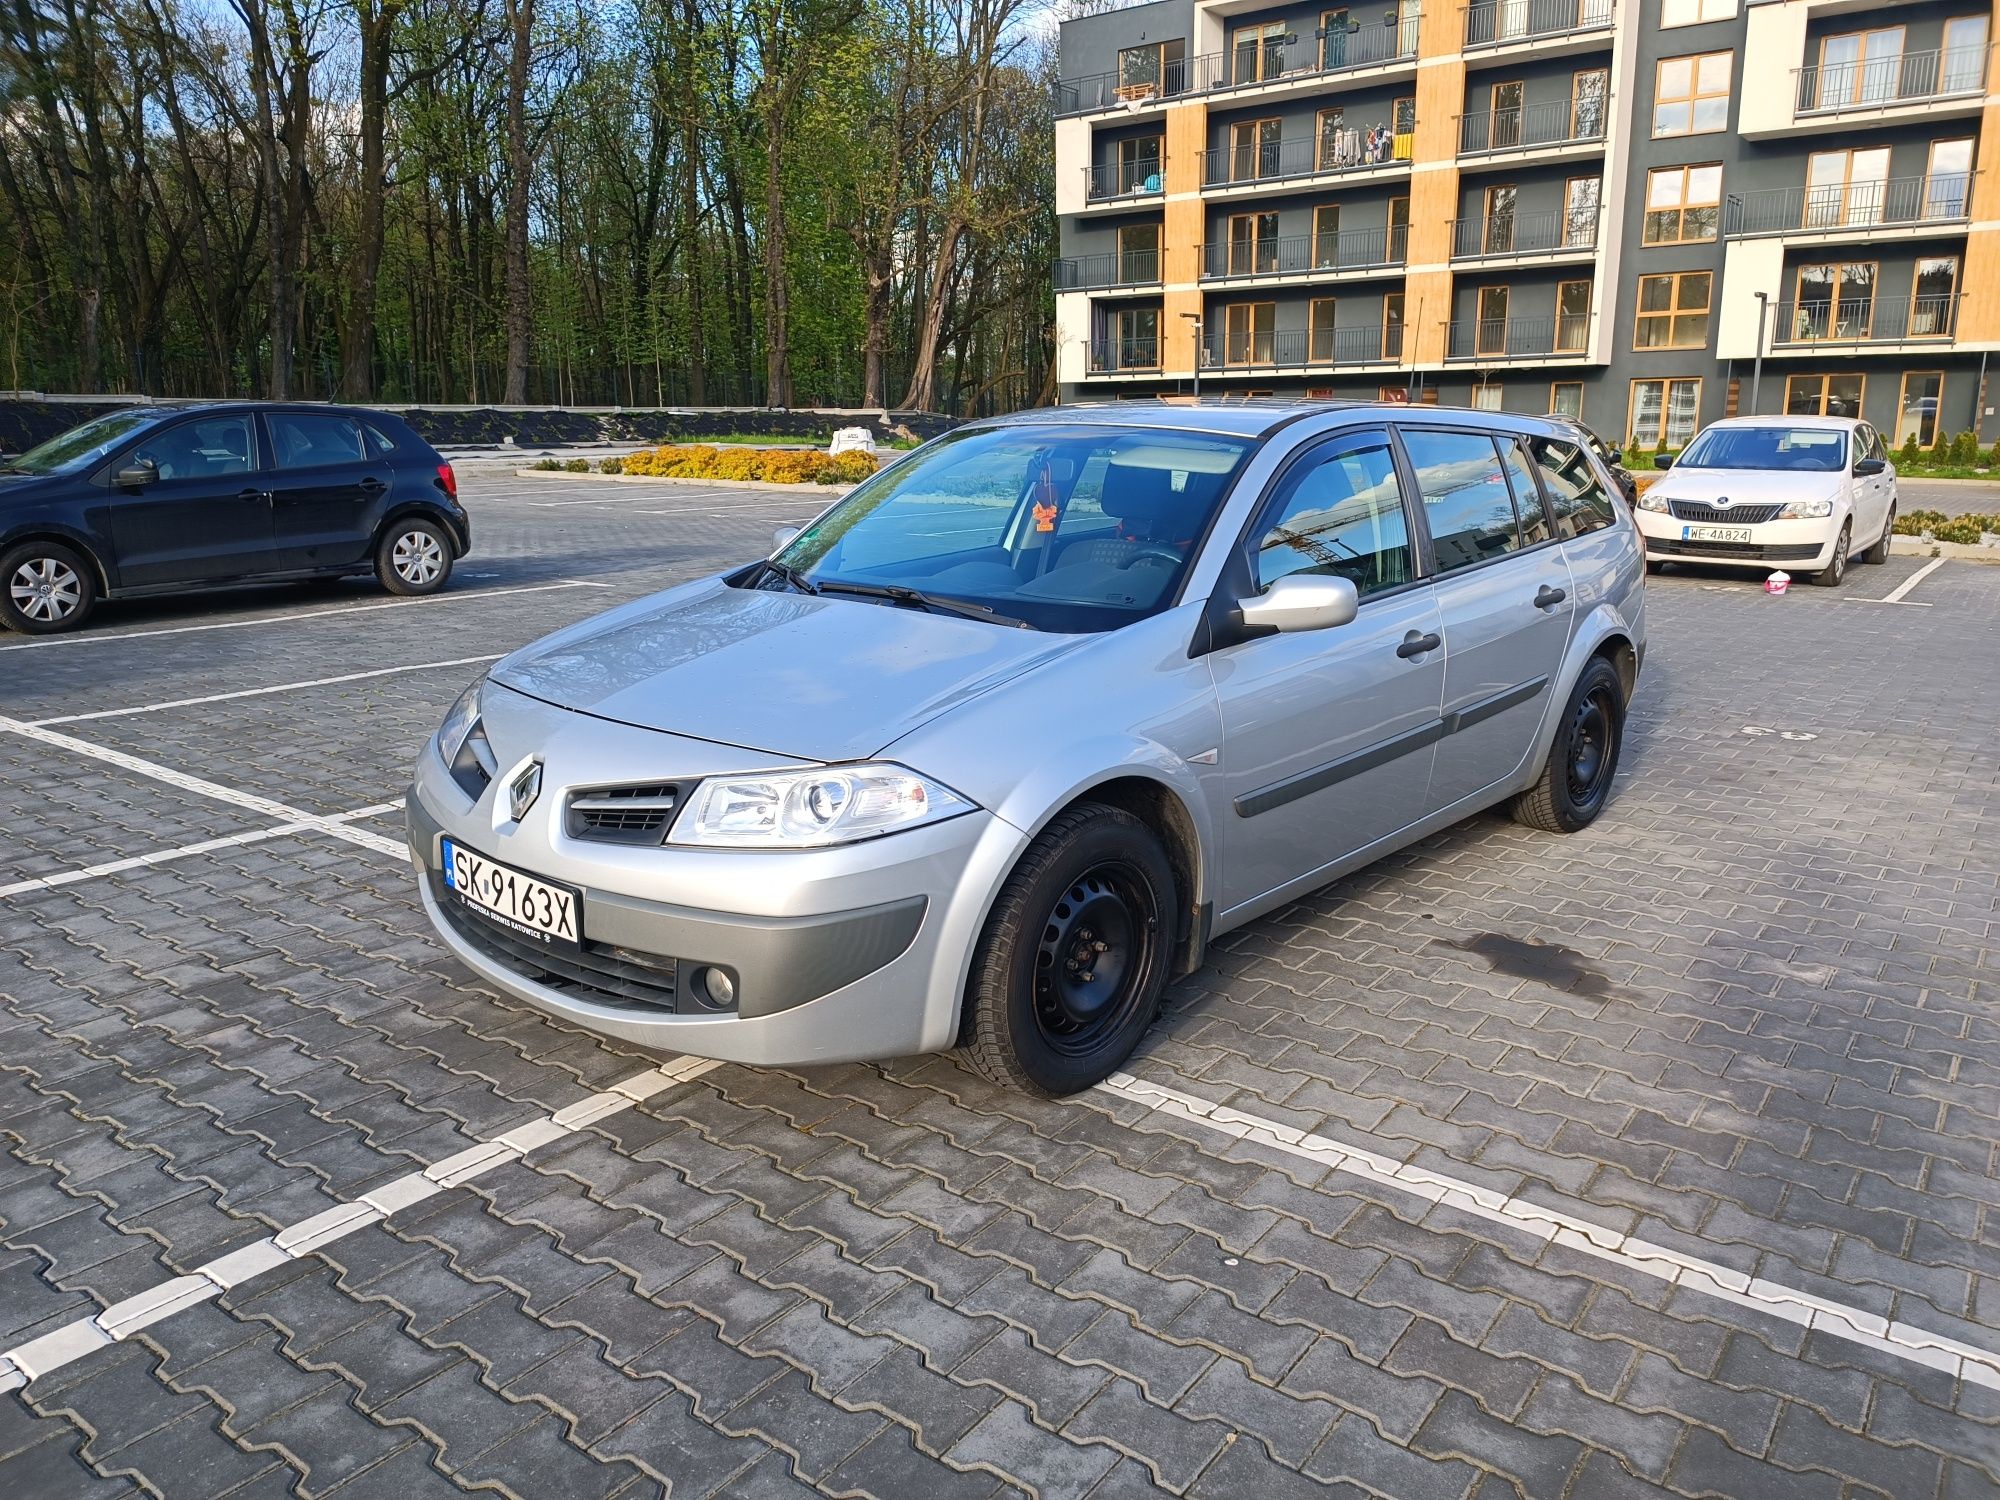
column 1553, row 122
column 1111, row 268
column 1305, row 156
column 1867, row 320
column 1490, row 23
column 1296, row 348
column 1109, row 356
column 1828, row 88
column 1941, row 197
column 1517, row 338
column 1124, row 179
column 1295, row 254
column 1364, row 45
column 1548, row 231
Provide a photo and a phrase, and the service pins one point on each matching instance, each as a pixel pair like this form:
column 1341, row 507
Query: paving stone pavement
column 1749, row 1016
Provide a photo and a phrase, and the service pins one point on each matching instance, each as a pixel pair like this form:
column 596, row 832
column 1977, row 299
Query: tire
column 1655, row 566
column 1583, row 758
column 1879, row 553
column 1834, row 574
column 1096, row 890
column 413, row 557
column 45, row 587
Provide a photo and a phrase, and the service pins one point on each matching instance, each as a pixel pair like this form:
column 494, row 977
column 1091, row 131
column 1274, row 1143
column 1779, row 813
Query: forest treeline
column 639, row 202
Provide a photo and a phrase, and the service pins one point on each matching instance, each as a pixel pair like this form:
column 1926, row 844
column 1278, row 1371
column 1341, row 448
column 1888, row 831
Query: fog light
column 715, row 989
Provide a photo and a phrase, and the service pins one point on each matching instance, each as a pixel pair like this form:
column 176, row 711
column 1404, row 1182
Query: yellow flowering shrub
column 771, row 465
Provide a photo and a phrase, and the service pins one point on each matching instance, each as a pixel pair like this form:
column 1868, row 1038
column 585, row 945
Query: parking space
column 1655, row 1160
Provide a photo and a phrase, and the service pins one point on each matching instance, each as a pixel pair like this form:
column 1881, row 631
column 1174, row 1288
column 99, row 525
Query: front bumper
column 1804, row 545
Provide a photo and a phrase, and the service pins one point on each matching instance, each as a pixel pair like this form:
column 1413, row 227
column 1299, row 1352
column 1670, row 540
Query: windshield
column 83, row 446
column 1820, row 450
column 1068, row 529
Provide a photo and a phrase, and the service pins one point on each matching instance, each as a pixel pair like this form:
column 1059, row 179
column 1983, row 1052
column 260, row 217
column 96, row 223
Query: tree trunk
column 777, row 300
column 520, row 320
column 357, row 338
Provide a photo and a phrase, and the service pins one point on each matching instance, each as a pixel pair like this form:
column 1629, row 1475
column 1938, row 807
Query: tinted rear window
column 309, row 440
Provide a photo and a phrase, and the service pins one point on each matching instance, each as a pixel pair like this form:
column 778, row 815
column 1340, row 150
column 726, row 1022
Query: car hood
column 1748, row 486
column 784, row 674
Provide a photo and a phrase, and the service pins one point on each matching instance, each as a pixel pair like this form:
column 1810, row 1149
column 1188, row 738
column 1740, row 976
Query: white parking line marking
column 1899, row 594
column 72, row 1341
column 1448, row 1195
column 91, row 638
column 283, row 687
column 184, row 851
column 249, row 801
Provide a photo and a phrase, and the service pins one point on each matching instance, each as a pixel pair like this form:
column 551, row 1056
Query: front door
column 207, row 517
column 325, row 487
column 1327, row 735
column 1506, row 598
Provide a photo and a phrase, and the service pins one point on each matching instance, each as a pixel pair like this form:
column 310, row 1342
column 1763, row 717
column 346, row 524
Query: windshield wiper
column 791, row 575
column 935, row 603
column 14, row 469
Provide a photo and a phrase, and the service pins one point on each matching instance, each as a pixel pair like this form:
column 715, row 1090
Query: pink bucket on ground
column 1777, row 583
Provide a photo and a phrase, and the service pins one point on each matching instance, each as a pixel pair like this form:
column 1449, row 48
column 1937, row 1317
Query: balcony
column 1880, row 83
column 1123, row 356
column 1305, row 254
column 1493, row 339
column 1857, row 211
column 1300, row 348
column 1124, row 179
column 1552, row 123
column 1246, row 67
column 1282, row 161
column 1866, row 321
column 1495, row 23
column 1552, row 232
column 1133, row 268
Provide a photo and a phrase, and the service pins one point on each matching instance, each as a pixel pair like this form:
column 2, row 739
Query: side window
column 1466, row 499
column 1341, row 513
column 1581, row 506
column 1527, row 498
column 378, row 441
column 1875, row 448
column 309, row 440
column 207, row 447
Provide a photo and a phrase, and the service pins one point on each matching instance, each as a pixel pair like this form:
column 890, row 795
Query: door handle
column 372, row 486
column 253, row 494
column 1549, row 598
column 1415, row 644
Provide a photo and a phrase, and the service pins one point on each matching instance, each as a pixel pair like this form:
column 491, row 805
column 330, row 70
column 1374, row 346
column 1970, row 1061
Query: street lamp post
column 1195, row 318
column 1757, row 369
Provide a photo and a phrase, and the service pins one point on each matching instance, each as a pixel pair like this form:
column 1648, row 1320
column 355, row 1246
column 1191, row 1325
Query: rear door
column 207, row 517
column 1504, row 594
column 327, row 483
column 1872, row 492
column 1327, row 734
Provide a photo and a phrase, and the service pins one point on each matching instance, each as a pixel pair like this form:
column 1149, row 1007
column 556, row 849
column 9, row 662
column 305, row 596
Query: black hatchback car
column 160, row 498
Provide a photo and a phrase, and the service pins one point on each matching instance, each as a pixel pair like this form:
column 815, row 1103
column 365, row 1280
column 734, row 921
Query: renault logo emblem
column 524, row 789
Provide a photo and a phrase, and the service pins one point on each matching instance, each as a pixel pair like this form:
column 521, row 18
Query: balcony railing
column 1305, row 156
column 1489, row 23
column 1518, row 338
column 1113, row 268
column 1549, row 232
column 1299, row 254
column 1867, row 320
column 1907, row 78
column 1110, row 356
column 1124, row 179
column 1296, row 348
column 1361, row 46
column 1554, row 122
column 1893, row 202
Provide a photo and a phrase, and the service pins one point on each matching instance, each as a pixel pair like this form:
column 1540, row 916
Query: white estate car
column 1798, row 493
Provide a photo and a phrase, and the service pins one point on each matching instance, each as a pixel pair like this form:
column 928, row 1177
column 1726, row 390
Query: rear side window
column 1527, row 499
column 309, row 440
column 1466, row 499
column 379, row 442
column 1340, row 513
column 1579, row 501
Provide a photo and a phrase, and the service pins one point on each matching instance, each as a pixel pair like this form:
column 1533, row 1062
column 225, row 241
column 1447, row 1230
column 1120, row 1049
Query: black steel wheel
column 1583, row 757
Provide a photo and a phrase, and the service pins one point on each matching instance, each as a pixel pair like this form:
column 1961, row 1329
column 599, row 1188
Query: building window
column 1963, row 66
column 1504, row 124
column 1694, row 12
column 1823, row 395
column 1247, row 332
column 1254, row 149
column 1860, row 67
column 1572, row 316
column 1673, row 311
column 1835, row 301
column 1663, row 410
column 1497, row 235
column 1136, row 335
column 1403, row 133
column 1691, row 94
column 1587, row 93
column 1948, row 179
column 1139, row 165
column 1319, row 323
column 1933, row 296
column 1149, row 71
column 1917, row 407
column 1253, row 244
column 1490, row 333
column 1399, row 229
column 1580, row 201
column 1326, row 235
column 1392, row 325
column 1846, row 187
column 1260, row 51
column 1486, row 395
column 1566, row 399
column 1683, row 204
column 1338, row 146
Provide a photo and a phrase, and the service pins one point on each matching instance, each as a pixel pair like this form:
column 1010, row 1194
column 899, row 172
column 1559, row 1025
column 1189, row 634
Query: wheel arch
column 70, row 540
column 404, row 510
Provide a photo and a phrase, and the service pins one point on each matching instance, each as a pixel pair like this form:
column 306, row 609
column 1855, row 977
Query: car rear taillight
column 448, row 480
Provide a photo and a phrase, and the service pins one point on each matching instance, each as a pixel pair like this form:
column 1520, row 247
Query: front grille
column 623, row 814
column 1743, row 550
column 594, row 970
column 1734, row 515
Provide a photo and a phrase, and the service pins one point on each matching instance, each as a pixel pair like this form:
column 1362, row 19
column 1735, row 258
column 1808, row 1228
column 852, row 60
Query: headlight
column 1650, row 501
column 459, row 721
column 804, row 809
column 1806, row 510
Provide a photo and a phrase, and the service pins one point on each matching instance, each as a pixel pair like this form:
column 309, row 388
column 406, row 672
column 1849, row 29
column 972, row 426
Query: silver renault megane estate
column 992, row 749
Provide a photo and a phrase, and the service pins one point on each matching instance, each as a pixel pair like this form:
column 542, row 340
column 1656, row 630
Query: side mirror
column 1867, row 468
column 782, row 537
column 1663, row 460
column 1301, row 601
column 136, row 476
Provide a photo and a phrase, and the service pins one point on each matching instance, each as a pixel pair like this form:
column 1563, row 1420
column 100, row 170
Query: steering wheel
column 1146, row 552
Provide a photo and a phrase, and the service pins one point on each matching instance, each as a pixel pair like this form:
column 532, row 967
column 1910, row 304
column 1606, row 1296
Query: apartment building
column 1648, row 213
